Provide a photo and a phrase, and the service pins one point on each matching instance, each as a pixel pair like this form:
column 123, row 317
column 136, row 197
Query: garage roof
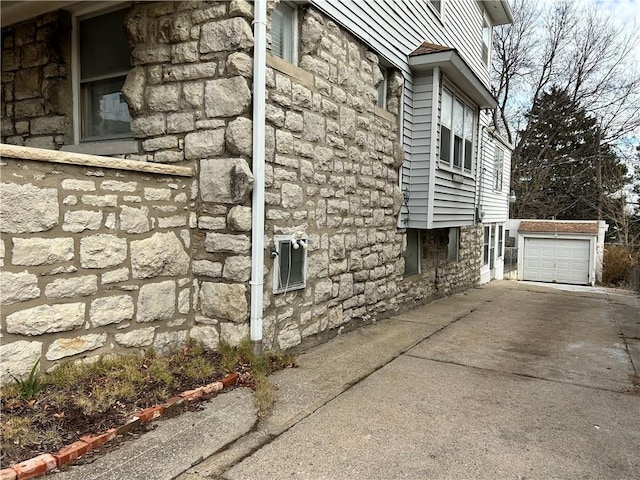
column 551, row 226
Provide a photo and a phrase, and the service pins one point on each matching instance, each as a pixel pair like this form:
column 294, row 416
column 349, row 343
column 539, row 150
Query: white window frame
column 486, row 240
column 437, row 6
column 468, row 107
column 417, row 252
column 293, row 43
column 286, row 242
column 501, row 235
column 383, row 89
column 487, row 40
column 498, row 170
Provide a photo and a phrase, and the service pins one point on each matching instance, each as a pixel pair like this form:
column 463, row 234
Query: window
column 382, row 89
column 283, row 32
column 485, row 245
column 486, row 41
column 104, row 65
column 290, row 269
column 500, row 240
column 492, row 248
column 457, row 120
column 453, row 246
column 498, row 170
column 412, row 253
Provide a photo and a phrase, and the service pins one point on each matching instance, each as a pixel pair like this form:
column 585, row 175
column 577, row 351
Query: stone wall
column 94, row 261
column 36, row 82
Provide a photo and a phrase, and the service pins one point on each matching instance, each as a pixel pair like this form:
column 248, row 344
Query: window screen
column 291, row 264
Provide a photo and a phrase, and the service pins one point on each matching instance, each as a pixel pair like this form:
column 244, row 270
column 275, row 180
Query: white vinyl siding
column 395, row 29
column 492, row 202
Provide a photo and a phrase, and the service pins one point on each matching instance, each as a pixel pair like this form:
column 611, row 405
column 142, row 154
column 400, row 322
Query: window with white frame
column 103, row 63
column 382, row 89
column 486, row 41
column 412, row 253
column 500, row 240
column 457, row 120
column 485, row 244
column 437, row 5
column 453, row 246
column 290, row 263
column 498, row 169
column 283, row 32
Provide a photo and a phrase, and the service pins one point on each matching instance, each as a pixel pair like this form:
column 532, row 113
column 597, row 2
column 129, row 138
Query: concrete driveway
column 529, row 382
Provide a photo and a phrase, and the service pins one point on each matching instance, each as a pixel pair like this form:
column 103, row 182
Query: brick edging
column 47, row 462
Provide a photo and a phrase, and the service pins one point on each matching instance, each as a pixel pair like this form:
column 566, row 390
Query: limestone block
column 311, row 35
column 292, row 195
column 168, row 341
column 225, row 180
column 225, row 35
column 289, row 336
column 134, row 220
column 115, row 276
column 48, row 125
column 148, row 126
column 172, row 222
column 322, row 291
column 156, row 301
column 46, row 319
column 157, row 194
column 184, row 301
column 204, row 143
column 224, row 242
column 241, row 8
column 160, row 254
column 192, row 71
column 72, row 287
column 224, row 301
column 207, row 336
column 142, row 337
column 185, row 52
column 239, row 218
column 17, row 359
column 67, row 347
column 18, row 287
column 109, row 310
column 133, row 89
column 102, row 250
column 158, row 143
column 207, row 268
column 226, row 97
column 163, row 98
column 240, row 136
column 239, row 63
column 41, row 251
column 180, row 122
column 27, row 208
column 77, row 221
column 100, row 200
column 237, row 269
column 233, row 333
column 72, row 184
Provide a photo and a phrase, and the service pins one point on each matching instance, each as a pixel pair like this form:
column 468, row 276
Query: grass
column 80, row 398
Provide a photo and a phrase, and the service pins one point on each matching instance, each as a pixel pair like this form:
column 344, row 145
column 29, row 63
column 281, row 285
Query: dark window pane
column 104, row 48
column 445, row 144
column 468, row 149
column 457, row 151
column 291, row 266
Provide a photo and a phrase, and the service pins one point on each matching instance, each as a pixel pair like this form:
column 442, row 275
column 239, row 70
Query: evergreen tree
column 561, row 169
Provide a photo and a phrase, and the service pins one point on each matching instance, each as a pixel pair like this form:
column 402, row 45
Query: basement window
column 290, row 263
column 412, row 253
column 453, row 246
column 284, row 21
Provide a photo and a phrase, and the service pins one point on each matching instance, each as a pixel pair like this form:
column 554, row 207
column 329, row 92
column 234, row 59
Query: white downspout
column 257, row 221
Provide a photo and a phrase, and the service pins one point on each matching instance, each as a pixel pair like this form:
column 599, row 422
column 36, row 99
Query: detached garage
column 561, row 251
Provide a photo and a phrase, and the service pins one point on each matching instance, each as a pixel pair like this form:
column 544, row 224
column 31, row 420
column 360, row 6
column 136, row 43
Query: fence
column 511, row 262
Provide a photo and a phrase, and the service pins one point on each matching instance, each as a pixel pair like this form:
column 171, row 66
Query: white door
column 556, row 260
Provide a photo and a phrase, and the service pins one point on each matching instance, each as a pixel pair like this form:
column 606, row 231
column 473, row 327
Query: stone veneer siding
column 89, row 255
column 94, row 261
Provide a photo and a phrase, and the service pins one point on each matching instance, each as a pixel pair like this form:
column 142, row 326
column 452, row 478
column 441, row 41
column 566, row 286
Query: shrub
column 618, row 264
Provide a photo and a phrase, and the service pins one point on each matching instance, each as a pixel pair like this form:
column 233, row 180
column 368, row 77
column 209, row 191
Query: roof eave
column 499, row 11
column 459, row 72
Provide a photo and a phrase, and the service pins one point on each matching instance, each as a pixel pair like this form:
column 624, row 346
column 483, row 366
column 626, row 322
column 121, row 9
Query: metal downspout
column 258, row 203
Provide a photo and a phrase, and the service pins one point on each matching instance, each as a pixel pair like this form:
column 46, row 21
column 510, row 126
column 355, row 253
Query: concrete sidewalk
column 420, row 395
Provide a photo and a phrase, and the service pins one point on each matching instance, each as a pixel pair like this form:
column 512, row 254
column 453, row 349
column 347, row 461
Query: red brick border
column 47, row 462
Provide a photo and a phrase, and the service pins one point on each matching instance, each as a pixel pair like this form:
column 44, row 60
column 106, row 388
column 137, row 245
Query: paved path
column 511, row 380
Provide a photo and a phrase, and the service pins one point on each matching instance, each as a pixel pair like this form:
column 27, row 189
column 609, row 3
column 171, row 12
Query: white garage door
column 556, row 260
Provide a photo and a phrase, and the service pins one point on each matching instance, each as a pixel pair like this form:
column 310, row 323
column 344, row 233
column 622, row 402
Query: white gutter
column 257, row 221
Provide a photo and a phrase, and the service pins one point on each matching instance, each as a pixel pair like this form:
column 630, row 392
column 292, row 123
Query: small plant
column 30, row 387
